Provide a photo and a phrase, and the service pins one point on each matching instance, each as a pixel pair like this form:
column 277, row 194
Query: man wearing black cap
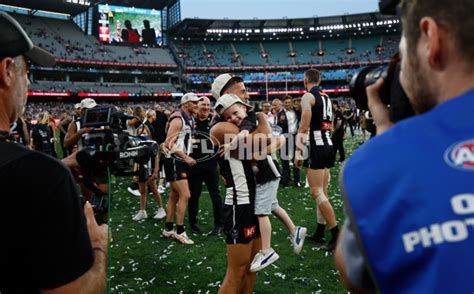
column 53, row 245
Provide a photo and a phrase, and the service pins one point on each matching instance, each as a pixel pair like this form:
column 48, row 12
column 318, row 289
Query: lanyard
column 190, row 122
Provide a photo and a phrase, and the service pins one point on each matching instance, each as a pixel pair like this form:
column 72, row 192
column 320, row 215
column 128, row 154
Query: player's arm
column 174, row 127
column 307, row 102
column 72, row 136
column 274, row 144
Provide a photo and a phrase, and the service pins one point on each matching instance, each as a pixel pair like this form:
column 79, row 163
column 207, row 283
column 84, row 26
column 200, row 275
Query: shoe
column 262, row 260
column 184, row 239
column 140, row 215
column 133, row 192
column 331, row 245
column 317, row 239
column 298, row 239
column 160, row 213
column 161, row 189
column 168, row 234
column 215, row 232
column 195, row 230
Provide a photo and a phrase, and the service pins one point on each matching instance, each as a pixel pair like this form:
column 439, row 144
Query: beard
column 417, row 86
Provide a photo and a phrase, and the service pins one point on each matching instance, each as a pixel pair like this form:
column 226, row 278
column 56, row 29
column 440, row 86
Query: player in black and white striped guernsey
column 177, row 160
column 316, row 117
column 240, row 223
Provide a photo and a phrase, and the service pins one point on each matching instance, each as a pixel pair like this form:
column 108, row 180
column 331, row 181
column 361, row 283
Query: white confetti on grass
column 280, row 275
column 215, row 284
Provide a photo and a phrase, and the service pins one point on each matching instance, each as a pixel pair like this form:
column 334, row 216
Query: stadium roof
column 74, row 7
column 192, row 29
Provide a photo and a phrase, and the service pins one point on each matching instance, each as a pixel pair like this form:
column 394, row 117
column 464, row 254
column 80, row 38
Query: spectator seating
column 335, row 51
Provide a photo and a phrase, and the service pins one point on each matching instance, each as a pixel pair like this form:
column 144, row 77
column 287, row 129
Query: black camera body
column 392, row 93
column 110, row 147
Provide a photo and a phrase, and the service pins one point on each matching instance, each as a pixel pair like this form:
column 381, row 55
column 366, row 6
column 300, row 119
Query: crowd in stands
column 140, row 89
column 33, row 108
column 65, row 40
column 341, row 74
column 360, row 49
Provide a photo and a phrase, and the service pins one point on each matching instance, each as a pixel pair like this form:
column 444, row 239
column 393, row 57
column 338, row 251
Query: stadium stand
column 66, row 41
column 251, row 53
column 90, row 66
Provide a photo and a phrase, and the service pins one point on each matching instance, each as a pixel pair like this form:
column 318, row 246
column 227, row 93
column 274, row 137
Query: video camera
column 110, row 146
column 392, row 93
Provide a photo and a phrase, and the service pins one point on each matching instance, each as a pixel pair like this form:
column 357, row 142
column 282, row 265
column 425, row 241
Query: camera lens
column 365, row 77
column 391, row 94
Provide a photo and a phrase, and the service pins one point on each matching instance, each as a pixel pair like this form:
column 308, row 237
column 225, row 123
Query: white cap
column 86, row 103
column 190, row 97
column 226, row 101
column 220, row 82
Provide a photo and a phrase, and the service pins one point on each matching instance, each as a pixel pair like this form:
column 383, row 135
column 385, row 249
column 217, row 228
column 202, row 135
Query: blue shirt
column 410, row 203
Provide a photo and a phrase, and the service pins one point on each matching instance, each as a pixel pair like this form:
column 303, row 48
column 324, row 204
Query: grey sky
column 271, row 9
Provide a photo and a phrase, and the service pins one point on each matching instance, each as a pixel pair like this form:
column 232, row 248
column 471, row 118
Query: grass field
column 142, row 261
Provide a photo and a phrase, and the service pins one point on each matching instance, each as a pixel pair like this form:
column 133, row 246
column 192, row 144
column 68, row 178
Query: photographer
column 75, row 129
column 74, row 139
column 50, row 245
column 406, row 234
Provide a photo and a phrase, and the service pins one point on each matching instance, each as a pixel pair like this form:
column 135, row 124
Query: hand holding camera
column 380, row 111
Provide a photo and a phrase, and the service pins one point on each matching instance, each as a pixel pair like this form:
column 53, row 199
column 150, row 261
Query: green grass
column 145, row 262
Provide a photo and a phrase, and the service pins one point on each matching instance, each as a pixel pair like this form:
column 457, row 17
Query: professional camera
column 110, row 147
column 392, row 93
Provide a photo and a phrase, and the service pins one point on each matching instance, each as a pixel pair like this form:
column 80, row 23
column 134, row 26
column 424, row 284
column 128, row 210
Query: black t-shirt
column 203, row 150
column 159, row 126
column 42, row 138
column 45, row 243
column 151, row 128
column 339, row 133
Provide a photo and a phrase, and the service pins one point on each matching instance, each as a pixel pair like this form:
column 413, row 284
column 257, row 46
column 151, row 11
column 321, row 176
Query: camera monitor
column 97, row 117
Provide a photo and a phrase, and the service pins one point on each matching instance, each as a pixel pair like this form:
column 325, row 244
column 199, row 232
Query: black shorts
column 162, row 161
column 240, row 224
column 175, row 170
column 144, row 172
column 321, row 156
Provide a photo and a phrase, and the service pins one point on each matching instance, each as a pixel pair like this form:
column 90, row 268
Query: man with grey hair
column 56, row 245
column 205, row 170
